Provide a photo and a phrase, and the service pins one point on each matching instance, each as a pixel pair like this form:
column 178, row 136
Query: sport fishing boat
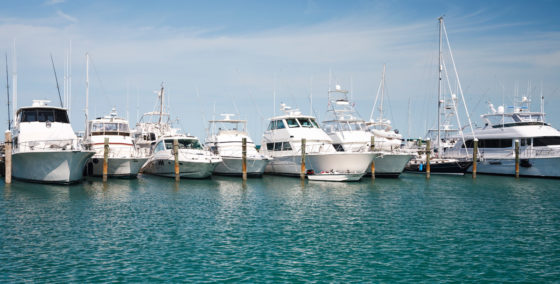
column 226, row 139
column 283, row 142
column 123, row 158
column 539, row 142
column 194, row 161
column 45, row 147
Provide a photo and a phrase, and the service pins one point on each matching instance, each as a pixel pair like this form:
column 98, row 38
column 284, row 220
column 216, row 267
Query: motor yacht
column 124, row 160
column 283, row 142
column 226, row 139
column 194, row 161
column 45, row 147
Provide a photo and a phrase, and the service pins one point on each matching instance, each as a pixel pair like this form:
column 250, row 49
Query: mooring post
column 302, row 171
column 105, row 158
column 428, row 152
column 475, row 157
column 176, row 155
column 372, row 148
column 244, row 158
column 8, row 156
column 516, row 158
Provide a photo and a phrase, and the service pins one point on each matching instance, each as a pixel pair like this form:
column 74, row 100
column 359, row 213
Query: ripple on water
column 274, row 229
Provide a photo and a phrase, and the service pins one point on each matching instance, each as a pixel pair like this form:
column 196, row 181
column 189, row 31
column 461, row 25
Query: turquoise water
column 276, row 229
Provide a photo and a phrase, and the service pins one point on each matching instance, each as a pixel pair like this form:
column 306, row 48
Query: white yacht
column 123, row 158
column 282, row 141
column 539, row 142
column 225, row 139
column 194, row 161
column 46, row 148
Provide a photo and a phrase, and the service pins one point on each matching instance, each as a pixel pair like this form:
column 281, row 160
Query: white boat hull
column 187, row 169
column 535, row 167
column 390, row 165
column 232, row 166
column 335, row 177
column 50, row 166
column 340, row 162
column 116, row 167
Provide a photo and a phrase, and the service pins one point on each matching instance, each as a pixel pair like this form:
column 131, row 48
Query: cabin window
column 278, row 146
column 292, row 123
column 159, row 147
column 111, row 127
column 272, row 125
column 305, row 122
column 29, row 115
column 495, row 143
column 61, row 116
column 338, row 147
column 183, row 144
column 355, row 126
column 270, row 146
column 546, row 141
column 45, row 115
column 280, row 124
column 525, row 141
column 123, row 127
column 286, row 146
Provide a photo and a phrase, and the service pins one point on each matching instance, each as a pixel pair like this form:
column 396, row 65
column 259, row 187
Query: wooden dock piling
column 8, row 157
column 517, row 158
column 428, row 152
column 244, row 158
column 302, row 171
column 372, row 148
column 176, row 155
column 475, row 157
column 105, row 158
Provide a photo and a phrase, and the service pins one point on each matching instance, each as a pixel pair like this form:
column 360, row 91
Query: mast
column 8, row 95
column 87, row 93
column 160, row 104
column 382, row 95
column 14, row 83
column 56, row 79
column 440, row 19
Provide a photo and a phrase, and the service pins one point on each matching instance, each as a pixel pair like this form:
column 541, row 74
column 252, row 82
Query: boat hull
column 339, row 162
column 116, row 167
column 335, row 177
column 231, row 166
column 61, row 167
column 532, row 167
column 187, row 169
column 390, row 165
column 444, row 167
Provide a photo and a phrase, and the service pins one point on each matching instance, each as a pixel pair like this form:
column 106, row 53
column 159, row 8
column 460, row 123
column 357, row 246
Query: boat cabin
column 100, row 128
column 184, row 143
column 42, row 114
column 292, row 122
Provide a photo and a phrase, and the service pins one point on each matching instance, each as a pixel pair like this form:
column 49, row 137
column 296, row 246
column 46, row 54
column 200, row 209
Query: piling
column 302, row 171
column 176, row 155
column 428, row 152
column 8, row 156
column 517, row 158
column 244, row 158
column 105, row 158
column 372, row 148
column 475, row 157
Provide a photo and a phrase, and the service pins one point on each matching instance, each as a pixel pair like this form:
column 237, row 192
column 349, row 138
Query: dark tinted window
column 286, row 146
column 546, row 141
column 29, row 115
column 43, row 115
column 270, row 146
column 495, row 143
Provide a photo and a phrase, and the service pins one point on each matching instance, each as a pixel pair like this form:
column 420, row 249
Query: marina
column 280, row 142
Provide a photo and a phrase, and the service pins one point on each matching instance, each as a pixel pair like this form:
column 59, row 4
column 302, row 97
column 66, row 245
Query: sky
column 247, row 57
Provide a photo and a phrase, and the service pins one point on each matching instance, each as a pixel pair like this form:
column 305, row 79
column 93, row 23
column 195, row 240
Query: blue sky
column 231, row 56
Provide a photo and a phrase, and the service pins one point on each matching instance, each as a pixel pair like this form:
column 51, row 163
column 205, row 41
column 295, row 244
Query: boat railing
column 48, row 145
column 504, row 153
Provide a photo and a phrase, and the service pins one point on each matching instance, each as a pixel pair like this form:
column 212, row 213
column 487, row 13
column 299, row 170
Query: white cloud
column 66, row 16
column 54, row 2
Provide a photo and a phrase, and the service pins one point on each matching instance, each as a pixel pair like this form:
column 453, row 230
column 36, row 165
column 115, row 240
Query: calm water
column 275, row 230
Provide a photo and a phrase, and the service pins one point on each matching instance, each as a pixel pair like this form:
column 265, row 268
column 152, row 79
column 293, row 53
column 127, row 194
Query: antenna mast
column 87, row 92
column 160, row 103
column 56, row 79
column 440, row 19
column 8, row 95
